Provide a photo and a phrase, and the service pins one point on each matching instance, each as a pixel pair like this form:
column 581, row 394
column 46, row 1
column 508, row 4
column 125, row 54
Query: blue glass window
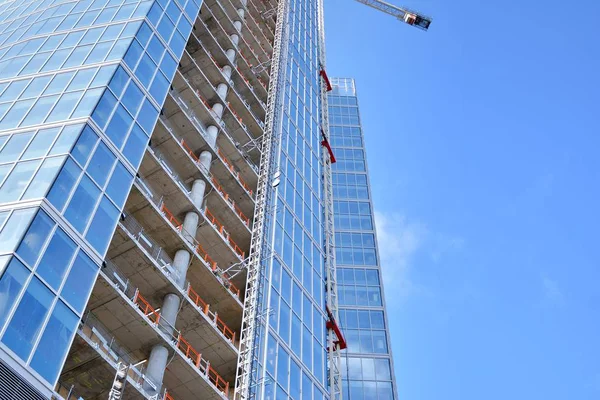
column 14, row 229
column 147, row 117
column 41, row 143
column 119, row 185
column 133, row 98
column 26, row 323
column 63, row 185
column 43, row 178
column 101, row 164
column 15, row 146
column 119, row 126
column 16, row 114
column 80, row 281
column 119, row 81
column 51, row 350
column 83, row 148
column 104, row 109
column 103, row 225
column 83, row 202
column 11, row 283
column 32, row 243
column 136, row 145
column 56, row 258
column 40, row 110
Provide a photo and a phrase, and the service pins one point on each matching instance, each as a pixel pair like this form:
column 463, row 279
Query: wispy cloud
column 399, row 241
column 552, row 292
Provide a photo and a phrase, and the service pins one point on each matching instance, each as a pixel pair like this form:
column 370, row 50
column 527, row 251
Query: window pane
column 103, row 225
column 83, row 148
column 36, row 236
column 51, row 350
column 136, row 146
column 27, row 320
column 101, row 164
column 15, row 147
column 64, row 184
column 11, row 284
column 43, row 178
column 41, row 143
column 80, row 281
column 65, row 106
column 119, row 185
column 15, row 227
column 66, row 139
column 18, row 180
column 56, row 259
column 82, row 204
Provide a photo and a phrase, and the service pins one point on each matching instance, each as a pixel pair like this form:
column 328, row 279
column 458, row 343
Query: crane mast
column 403, row 14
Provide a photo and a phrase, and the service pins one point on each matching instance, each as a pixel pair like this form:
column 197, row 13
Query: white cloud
column 399, row 240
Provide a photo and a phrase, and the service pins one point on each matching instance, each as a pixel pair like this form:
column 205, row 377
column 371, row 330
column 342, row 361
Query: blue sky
column 483, row 136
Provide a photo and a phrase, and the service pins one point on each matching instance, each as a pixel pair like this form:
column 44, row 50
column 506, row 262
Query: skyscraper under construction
column 166, row 201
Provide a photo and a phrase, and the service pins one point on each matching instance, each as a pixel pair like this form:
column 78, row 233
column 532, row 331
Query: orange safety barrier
column 234, row 172
column 189, row 151
column 262, row 83
column 228, row 333
column 221, row 228
column 224, row 329
column 245, row 59
column 238, row 211
column 197, row 300
column 189, row 351
column 219, row 382
column 203, row 100
column 174, row 221
column 237, row 249
column 145, row 307
column 204, row 255
column 232, row 288
column 167, row 396
column 215, row 61
column 236, row 115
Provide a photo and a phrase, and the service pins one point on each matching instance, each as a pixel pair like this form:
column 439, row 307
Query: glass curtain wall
column 81, row 86
column 293, row 360
column 367, row 363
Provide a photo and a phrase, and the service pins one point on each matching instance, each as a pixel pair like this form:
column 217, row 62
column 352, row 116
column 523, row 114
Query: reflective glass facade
column 367, row 363
column 294, row 362
column 81, row 86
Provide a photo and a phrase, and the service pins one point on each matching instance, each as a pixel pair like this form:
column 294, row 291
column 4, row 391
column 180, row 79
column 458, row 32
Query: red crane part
column 333, row 325
column 325, row 143
column 326, row 79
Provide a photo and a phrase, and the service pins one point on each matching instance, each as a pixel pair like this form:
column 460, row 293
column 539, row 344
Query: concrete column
column 230, row 53
column 212, row 132
column 181, row 262
column 157, row 362
column 205, row 159
column 168, row 312
column 197, row 195
column 226, row 71
column 235, row 38
column 222, row 90
column 190, row 226
column 218, row 109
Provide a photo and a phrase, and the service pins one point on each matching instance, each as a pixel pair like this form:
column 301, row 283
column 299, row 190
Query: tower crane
column 403, row 14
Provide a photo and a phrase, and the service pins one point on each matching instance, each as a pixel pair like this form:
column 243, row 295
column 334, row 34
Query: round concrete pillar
column 205, row 159
column 212, row 132
column 230, row 53
column 190, row 226
column 169, row 310
column 197, row 194
column 157, row 362
column 181, row 263
column 222, row 90
column 218, row 109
